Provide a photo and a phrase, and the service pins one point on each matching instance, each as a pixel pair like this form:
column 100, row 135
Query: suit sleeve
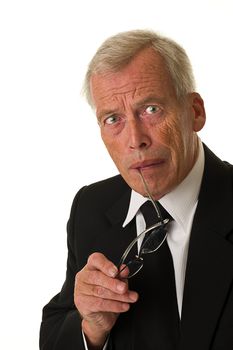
column 61, row 323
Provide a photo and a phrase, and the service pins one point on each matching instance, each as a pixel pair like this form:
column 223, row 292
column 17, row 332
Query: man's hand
column 100, row 297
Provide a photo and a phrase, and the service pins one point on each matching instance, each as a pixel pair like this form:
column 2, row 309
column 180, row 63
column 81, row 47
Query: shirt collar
column 181, row 201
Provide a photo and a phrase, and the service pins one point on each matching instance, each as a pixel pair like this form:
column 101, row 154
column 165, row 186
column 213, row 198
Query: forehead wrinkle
column 111, row 93
column 115, row 88
column 114, row 96
column 120, row 103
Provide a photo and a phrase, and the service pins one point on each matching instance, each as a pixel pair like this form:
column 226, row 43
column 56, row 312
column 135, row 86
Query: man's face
column 143, row 125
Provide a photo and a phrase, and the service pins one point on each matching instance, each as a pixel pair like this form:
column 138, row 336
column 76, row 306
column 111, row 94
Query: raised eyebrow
column 150, row 100
column 105, row 112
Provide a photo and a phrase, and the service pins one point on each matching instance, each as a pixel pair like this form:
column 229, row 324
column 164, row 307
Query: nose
column 138, row 136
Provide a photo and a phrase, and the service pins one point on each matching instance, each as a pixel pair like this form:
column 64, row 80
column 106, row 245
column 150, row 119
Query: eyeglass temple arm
column 150, row 197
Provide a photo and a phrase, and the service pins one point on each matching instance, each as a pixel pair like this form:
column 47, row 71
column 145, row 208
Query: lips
column 147, row 164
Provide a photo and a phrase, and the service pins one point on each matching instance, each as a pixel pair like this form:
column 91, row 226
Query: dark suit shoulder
column 216, row 163
column 95, row 210
column 229, row 167
column 93, row 202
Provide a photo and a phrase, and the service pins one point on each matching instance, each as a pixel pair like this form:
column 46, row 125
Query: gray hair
column 117, row 51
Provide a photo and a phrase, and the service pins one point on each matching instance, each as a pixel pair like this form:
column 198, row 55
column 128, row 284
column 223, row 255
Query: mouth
column 147, row 164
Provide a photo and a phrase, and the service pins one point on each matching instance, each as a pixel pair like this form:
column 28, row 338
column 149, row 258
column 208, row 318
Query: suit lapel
column 118, row 237
column 209, row 270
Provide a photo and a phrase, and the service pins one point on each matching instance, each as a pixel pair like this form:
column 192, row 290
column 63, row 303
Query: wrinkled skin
column 145, row 128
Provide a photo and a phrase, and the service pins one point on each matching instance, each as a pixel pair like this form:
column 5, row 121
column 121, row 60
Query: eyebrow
column 105, row 112
column 152, row 99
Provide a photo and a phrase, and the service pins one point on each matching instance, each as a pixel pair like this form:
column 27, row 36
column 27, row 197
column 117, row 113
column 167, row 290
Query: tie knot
column 150, row 215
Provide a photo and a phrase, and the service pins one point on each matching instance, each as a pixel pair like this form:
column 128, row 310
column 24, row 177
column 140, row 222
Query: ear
column 198, row 111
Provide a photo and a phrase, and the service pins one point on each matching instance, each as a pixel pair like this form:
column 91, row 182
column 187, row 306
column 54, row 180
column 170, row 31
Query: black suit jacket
column 95, row 224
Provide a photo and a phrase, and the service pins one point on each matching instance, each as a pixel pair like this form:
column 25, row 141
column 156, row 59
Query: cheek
column 170, row 136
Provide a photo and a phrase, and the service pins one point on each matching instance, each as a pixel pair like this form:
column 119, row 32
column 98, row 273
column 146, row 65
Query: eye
column 112, row 124
column 151, row 113
column 152, row 109
column 112, row 119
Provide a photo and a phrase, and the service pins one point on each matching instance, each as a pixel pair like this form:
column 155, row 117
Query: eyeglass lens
column 154, row 238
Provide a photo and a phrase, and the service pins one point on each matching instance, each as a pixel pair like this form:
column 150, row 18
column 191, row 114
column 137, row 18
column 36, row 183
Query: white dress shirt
column 181, row 204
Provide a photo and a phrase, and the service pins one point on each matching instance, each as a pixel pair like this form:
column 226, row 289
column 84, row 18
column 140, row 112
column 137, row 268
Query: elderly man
column 140, row 277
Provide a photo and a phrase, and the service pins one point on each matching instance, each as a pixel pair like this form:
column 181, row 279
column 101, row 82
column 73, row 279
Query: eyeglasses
column 154, row 236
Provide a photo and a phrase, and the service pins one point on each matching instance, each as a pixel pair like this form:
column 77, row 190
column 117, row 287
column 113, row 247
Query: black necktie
column 150, row 215
column 156, row 317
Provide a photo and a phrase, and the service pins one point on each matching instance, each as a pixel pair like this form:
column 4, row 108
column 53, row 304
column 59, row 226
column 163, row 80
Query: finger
column 98, row 261
column 101, row 292
column 97, row 278
column 123, row 272
column 92, row 304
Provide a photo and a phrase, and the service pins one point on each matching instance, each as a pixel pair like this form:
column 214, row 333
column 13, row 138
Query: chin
column 157, row 192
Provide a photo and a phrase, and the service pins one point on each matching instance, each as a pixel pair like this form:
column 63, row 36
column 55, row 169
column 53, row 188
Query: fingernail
column 133, row 296
column 113, row 271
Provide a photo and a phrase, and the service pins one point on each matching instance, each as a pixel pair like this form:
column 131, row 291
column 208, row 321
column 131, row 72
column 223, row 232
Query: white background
column 49, row 140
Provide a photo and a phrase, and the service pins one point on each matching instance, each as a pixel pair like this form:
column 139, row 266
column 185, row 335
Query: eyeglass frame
column 161, row 224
